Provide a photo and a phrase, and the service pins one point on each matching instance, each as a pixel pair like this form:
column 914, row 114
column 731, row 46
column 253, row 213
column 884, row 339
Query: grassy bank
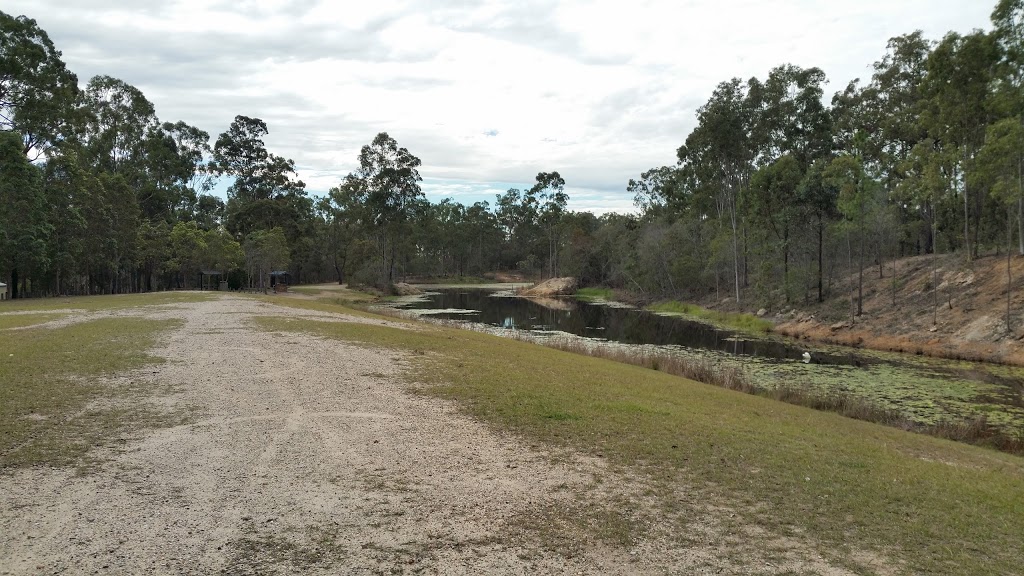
column 595, row 294
column 746, row 322
column 932, row 506
column 53, row 408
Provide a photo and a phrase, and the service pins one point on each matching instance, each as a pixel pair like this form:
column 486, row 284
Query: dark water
column 629, row 326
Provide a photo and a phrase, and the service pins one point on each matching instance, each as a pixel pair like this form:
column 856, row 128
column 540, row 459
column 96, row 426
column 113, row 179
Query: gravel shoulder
column 309, row 456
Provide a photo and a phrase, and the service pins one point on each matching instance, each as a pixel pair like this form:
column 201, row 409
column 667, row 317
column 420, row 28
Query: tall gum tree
column 37, row 92
column 391, row 178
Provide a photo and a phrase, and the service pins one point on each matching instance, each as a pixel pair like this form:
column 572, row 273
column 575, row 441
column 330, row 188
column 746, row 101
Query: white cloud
column 485, row 93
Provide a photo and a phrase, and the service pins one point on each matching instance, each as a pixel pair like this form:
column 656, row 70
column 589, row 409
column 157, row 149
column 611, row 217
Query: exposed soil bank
column 940, row 306
column 552, row 287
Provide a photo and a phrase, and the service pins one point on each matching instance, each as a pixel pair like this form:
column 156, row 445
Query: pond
column 927, row 390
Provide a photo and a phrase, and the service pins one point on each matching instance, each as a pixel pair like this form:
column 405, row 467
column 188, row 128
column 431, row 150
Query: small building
column 212, row 280
column 280, row 281
column 3, row 291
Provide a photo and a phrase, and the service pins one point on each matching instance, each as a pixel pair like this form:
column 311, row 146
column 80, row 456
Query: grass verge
column 746, row 322
column 53, row 407
column 930, row 506
column 103, row 302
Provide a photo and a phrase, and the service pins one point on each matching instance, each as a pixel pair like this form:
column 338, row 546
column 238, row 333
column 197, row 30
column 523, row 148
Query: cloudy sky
column 486, row 93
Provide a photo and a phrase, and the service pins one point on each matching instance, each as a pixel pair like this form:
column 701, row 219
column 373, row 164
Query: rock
column 553, row 287
column 761, row 313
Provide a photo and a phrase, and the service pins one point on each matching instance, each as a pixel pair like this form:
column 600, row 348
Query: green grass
column 49, row 388
column 930, row 505
column 8, row 321
column 103, row 302
column 595, row 294
column 745, row 322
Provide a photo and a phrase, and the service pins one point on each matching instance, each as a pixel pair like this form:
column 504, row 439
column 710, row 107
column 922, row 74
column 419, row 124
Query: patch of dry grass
column 54, row 404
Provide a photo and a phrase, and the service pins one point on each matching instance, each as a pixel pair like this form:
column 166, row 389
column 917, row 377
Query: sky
column 487, row 93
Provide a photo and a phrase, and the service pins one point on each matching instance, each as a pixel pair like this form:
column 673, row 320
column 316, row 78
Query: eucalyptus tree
column 517, row 213
column 65, row 191
column 265, row 192
column 1008, row 21
column 955, row 113
column 344, row 212
column 550, row 189
column 482, row 236
column 659, row 190
column 37, row 92
column 857, row 199
column 119, row 118
column 775, row 202
column 788, row 116
column 24, row 229
column 265, row 251
column 819, row 198
column 720, row 154
column 391, row 181
column 1001, row 168
column 177, row 171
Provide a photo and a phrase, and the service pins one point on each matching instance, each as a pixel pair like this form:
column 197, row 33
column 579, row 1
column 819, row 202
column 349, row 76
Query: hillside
column 963, row 318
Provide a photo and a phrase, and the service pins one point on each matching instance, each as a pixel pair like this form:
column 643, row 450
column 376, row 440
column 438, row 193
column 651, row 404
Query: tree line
column 100, row 196
column 775, row 196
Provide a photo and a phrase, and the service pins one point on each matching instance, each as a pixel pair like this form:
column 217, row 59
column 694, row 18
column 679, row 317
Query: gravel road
column 305, row 456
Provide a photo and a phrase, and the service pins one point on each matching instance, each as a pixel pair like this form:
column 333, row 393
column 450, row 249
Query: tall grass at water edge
column 975, row 430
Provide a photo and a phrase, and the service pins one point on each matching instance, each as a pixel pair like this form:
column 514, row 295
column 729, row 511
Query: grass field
column 927, row 505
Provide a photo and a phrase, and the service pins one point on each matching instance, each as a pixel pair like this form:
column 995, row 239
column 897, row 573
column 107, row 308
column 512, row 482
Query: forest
column 778, row 193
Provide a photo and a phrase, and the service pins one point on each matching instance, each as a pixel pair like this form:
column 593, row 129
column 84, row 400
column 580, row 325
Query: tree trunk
column 735, row 248
column 894, row 281
column 860, row 275
column 14, row 284
column 967, row 221
column 1020, row 211
column 821, row 248
column 391, row 264
column 1009, row 269
column 785, row 265
column 849, row 262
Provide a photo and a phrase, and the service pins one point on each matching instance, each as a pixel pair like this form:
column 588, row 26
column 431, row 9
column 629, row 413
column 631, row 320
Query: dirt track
column 307, row 456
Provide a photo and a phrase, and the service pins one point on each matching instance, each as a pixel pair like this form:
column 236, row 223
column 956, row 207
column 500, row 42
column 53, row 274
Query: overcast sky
column 486, row 94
